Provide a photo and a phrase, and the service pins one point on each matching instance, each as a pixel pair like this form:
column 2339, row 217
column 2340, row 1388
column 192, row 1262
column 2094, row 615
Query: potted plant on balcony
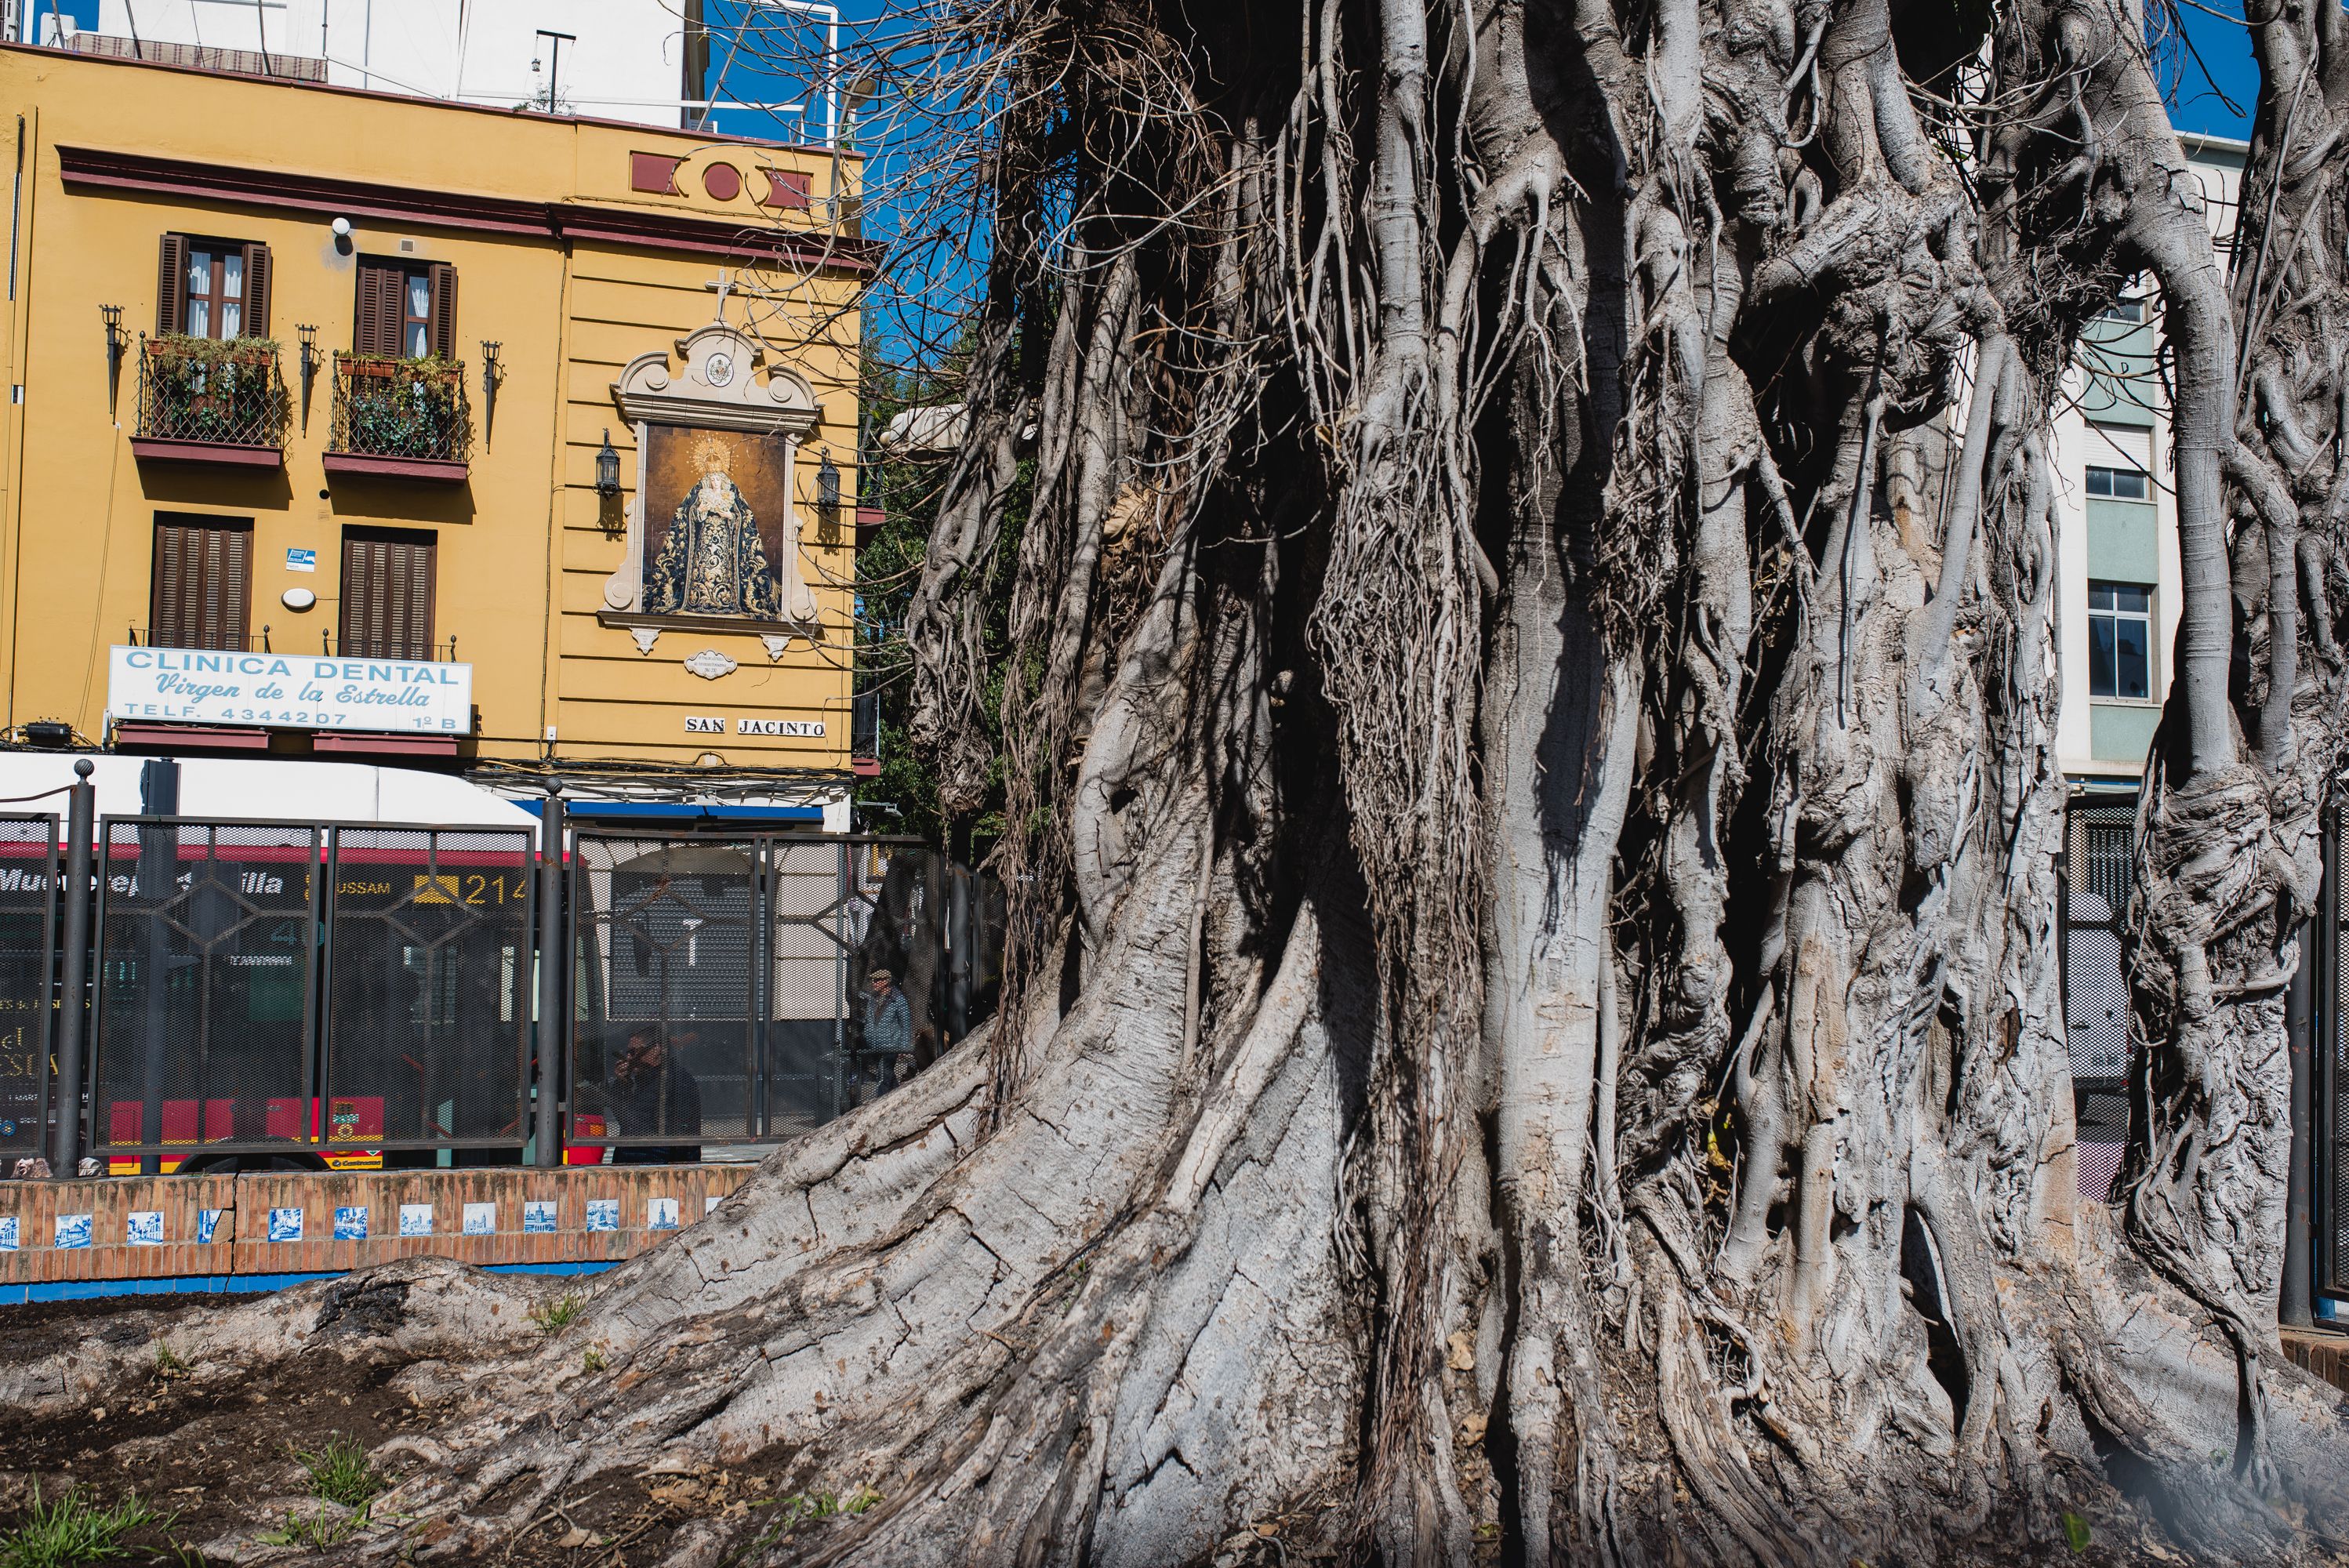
column 396, row 407
column 216, row 392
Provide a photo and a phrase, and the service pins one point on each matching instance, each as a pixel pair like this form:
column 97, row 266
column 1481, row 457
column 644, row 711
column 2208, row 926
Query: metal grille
column 217, row 394
column 207, row 962
column 2331, row 1140
column 2100, row 843
column 715, row 985
column 387, row 408
column 428, row 966
column 28, row 906
column 663, row 935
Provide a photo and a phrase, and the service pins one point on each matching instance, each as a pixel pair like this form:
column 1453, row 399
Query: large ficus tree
column 1532, row 1022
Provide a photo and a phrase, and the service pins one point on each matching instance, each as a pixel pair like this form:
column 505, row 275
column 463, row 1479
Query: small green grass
column 593, row 1361
column 802, row 1507
column 554, row 1317
column 168, row 1363
column 340, row 1472
column 76, row 1529
column 318, row 1532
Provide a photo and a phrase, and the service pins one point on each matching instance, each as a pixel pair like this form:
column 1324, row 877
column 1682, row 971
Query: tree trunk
column 1531, row 1024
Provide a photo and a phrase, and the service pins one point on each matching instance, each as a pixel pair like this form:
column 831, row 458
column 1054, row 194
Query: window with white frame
column 2120, row 640
column 2117, row 484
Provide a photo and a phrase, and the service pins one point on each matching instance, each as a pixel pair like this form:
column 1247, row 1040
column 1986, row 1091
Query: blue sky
column 2199, row 89
column 2219, row 39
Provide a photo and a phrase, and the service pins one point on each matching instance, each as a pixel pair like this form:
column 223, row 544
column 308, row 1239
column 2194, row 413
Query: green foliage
column 888, row 569
column 75, row 1529
column 593, row 1361
column 207, row 389
column 392, row 407
column 804, row 1507
column 168, row 1364
column 318, row 1530
column 340, row 1472
column 554, row 1317
column 2077, row 1534
column 179, row 348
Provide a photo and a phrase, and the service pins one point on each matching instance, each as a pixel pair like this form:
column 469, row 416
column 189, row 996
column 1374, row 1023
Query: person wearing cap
column 652, row 1092
column 888, row 1025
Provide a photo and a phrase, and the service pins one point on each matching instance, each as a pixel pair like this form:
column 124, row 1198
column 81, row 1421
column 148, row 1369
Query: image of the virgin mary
column 711, row 560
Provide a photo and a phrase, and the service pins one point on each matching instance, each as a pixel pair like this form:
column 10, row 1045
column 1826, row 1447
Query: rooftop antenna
column 554, row 62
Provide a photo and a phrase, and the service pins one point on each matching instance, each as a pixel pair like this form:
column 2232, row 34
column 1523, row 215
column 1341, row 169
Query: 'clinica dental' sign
column 289, row 691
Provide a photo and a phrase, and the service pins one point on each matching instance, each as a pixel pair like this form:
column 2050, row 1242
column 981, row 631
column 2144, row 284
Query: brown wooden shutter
column 172, row 286
column 378, row 330
column 444, row 310
column 388, row 583
column 256, row 291
column 202, row 595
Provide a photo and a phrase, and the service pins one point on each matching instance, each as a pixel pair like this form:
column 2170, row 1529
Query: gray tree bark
column 1532, row 1028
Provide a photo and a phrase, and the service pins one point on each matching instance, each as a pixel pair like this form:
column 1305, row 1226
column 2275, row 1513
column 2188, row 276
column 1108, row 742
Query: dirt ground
column 208, row 1457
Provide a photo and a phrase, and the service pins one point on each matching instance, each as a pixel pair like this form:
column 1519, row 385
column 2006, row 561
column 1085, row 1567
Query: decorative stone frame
column 715, row 385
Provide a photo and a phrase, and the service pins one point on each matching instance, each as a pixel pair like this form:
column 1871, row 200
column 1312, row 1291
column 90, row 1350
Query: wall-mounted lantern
column 607, row 470
column 117, row 341
column 827, row 501
column 312, row 362
column 492, row 374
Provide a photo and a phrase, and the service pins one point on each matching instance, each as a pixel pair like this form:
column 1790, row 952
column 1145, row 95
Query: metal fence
column 28, row 944
column 274, row 989
column 2099, row 848
column 2329, row 1142
column 428, row 962
column 718, row 985
column 267, row 984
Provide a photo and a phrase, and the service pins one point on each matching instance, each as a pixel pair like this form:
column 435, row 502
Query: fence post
column 2298, row 1298
column 959, row 929
column 554, row 963
column 81, row 814
column 159, row 868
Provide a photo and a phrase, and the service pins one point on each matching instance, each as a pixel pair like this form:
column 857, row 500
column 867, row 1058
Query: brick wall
column 2324, row 1354
column 159, row 1227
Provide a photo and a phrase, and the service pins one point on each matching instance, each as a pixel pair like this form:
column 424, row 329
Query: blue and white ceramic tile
column 8, row 1235
column 351, row 1222
column 416, row 1219
column 284, row 1224
column 144, row 1228
column 73, row 1229
column 602, row 1213
column 480, row 1219
column 538, row 1215
column 208, row 1223
column 660, row 1214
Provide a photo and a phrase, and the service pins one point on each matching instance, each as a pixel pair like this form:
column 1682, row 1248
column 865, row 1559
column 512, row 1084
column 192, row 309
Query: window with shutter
column 444, row 310
column 168, row 312
column 212, row 288
column 202, row 591
column 387, row 580
column 406, row 311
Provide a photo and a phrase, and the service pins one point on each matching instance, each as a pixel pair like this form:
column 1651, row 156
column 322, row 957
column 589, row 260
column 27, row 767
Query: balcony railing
column 400, row 418
column 253, row 643
column 401, row 648
column 205, row 400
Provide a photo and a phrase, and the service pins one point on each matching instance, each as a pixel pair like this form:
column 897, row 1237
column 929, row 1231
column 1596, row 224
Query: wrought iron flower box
column 205, row 401
column 400, row 419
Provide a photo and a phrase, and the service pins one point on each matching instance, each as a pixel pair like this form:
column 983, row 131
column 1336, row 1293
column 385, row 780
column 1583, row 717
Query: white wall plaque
column 710, row 664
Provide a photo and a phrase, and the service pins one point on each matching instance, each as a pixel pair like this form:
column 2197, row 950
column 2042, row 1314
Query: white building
column 2117, row 510
column 652, row 61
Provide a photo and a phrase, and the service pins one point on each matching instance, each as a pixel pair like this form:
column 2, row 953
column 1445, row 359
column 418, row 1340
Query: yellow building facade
column 309, row 393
